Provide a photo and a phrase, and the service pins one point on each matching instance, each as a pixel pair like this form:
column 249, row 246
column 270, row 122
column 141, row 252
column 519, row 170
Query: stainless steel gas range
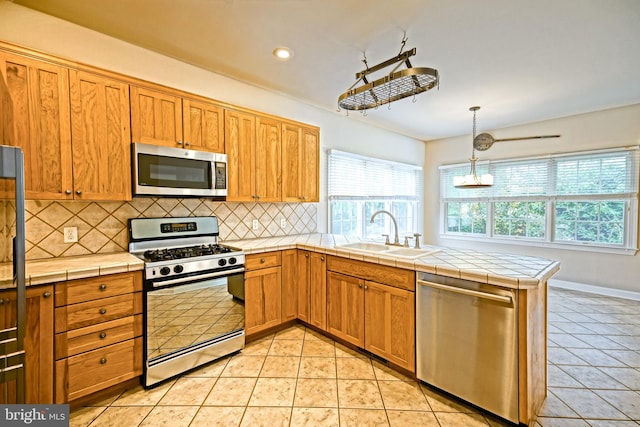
column 193, row 294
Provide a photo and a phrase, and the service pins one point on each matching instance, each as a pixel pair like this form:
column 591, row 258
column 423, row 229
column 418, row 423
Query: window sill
column 562, row 246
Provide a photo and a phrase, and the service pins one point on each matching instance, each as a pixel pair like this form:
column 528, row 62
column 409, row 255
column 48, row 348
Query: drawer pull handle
column 103, row 335
column 103, row 311
column 103, row 360
column 103, row 286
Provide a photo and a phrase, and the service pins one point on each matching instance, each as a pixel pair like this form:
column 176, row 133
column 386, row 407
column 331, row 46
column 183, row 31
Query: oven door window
column 173, row 172
column 190, row 314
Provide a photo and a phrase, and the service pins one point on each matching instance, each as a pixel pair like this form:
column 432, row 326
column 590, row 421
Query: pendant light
column 471, row 180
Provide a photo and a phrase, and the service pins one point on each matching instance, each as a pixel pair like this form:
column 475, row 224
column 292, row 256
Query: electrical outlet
column 283, row 223
column 256, row 224
column 70, row 234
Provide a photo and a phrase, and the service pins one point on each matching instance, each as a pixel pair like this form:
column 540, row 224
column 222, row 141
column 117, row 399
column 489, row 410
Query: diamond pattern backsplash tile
column 102, row 226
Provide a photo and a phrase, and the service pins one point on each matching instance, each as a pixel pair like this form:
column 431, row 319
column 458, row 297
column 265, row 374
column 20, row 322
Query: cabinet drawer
column 264, row 260
column 86, row 373
column 82, row 290
column 398, row 277
column 98, row 311
column 89, row 338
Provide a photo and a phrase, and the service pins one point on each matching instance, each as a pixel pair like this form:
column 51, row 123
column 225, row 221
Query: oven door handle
column 200, row 277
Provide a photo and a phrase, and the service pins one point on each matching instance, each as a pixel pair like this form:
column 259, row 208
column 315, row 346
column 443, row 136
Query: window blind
column 358, row 177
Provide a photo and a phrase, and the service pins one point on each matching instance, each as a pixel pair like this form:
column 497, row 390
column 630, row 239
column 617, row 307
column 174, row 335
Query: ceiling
column 521, row 61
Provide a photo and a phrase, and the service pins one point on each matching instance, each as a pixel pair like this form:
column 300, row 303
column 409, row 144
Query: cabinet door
column 239, row 136
column 318, row 291
column 268, row 186
column 390, row 323
column 345, row 307
column 38, row 343
column 100, row 137
column 310, row 170
column 156, row 117
column 303, row 273
column 289, row 285
column 203, row 126
column 262, row 299
column 41, row 118
column 291, row 163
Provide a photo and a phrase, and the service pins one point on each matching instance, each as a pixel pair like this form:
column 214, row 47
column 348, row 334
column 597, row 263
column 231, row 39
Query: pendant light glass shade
column 471, row 180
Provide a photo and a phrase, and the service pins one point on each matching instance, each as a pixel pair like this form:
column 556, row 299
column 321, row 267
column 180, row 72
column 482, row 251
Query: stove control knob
column 222, row 262
column 232, row 260
column 165, row 270
column 178, row 269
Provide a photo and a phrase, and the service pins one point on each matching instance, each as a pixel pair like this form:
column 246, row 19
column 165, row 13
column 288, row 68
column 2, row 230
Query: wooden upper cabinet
column 166, row 119
column 203, row 126
column 268, row 187
column 300, row 164
column 156, row 117
column 39, row 93
column 240, row 136
column 100, row 137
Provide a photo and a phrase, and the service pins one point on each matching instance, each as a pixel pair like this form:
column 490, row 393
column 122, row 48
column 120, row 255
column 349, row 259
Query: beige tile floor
column 300, row 378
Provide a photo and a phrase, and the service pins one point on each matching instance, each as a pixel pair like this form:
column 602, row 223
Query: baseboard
column 619, row 293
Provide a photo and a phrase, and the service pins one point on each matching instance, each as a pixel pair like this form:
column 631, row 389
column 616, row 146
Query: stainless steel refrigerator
column 12, row 355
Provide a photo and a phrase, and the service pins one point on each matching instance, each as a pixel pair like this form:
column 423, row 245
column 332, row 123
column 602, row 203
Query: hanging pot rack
column 392, row 87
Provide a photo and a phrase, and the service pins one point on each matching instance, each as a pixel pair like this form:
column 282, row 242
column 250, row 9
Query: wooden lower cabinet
column 289, row 285
column 38, row 343
column 379, row 317
column 312, row 288
column 262, row 291
column 98, row 340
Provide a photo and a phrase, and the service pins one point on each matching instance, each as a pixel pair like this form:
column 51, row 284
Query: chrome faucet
column 395, row 224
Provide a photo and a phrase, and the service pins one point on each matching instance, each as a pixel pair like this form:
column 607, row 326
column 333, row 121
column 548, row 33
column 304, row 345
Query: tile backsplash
column 102, row 226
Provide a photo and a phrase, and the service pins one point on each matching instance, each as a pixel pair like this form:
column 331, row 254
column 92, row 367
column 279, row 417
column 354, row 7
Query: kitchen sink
column 365, row 246
column 396, row 251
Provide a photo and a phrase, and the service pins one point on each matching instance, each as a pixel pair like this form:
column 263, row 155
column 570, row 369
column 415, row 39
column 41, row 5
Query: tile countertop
column 495, row 268
column 53, row 270
column 513, row 271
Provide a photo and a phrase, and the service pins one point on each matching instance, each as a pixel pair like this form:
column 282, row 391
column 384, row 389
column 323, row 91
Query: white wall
column 608, row 128
column 35, row 30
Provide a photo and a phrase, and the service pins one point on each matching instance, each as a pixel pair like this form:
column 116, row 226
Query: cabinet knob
column 1, row 301
column 103, row 360
column 46, row 294
column 67, row 192
column 321, row 258
column 262, row 260
column 306, row 255
column 103, row 335
column 103, row 286
column 187, row 143
column 78, row 192
column 359, row 285
column 103, row 311
column 179, row 142
column 366, row 287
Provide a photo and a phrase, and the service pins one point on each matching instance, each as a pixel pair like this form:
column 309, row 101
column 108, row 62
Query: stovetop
column 165, row 254
column 172, row 247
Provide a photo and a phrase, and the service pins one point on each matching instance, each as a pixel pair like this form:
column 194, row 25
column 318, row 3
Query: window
column 359, row 186
column 587, row 200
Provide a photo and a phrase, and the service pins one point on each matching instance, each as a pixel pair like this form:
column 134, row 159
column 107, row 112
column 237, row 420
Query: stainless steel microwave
column 168, row 171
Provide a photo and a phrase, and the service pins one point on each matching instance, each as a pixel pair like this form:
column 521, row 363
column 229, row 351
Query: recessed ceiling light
column 282, row 53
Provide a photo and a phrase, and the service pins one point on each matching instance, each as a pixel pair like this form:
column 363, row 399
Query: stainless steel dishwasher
column 467, row 341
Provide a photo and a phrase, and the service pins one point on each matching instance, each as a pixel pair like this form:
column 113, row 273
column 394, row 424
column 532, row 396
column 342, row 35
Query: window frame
column 629, row 245
column 363, row 200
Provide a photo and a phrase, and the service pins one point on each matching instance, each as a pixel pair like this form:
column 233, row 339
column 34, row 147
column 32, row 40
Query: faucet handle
column 406, row 241
column 417, row 236
column 386, row 240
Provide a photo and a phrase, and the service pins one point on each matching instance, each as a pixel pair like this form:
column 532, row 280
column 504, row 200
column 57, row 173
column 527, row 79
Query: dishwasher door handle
column 500, row 298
